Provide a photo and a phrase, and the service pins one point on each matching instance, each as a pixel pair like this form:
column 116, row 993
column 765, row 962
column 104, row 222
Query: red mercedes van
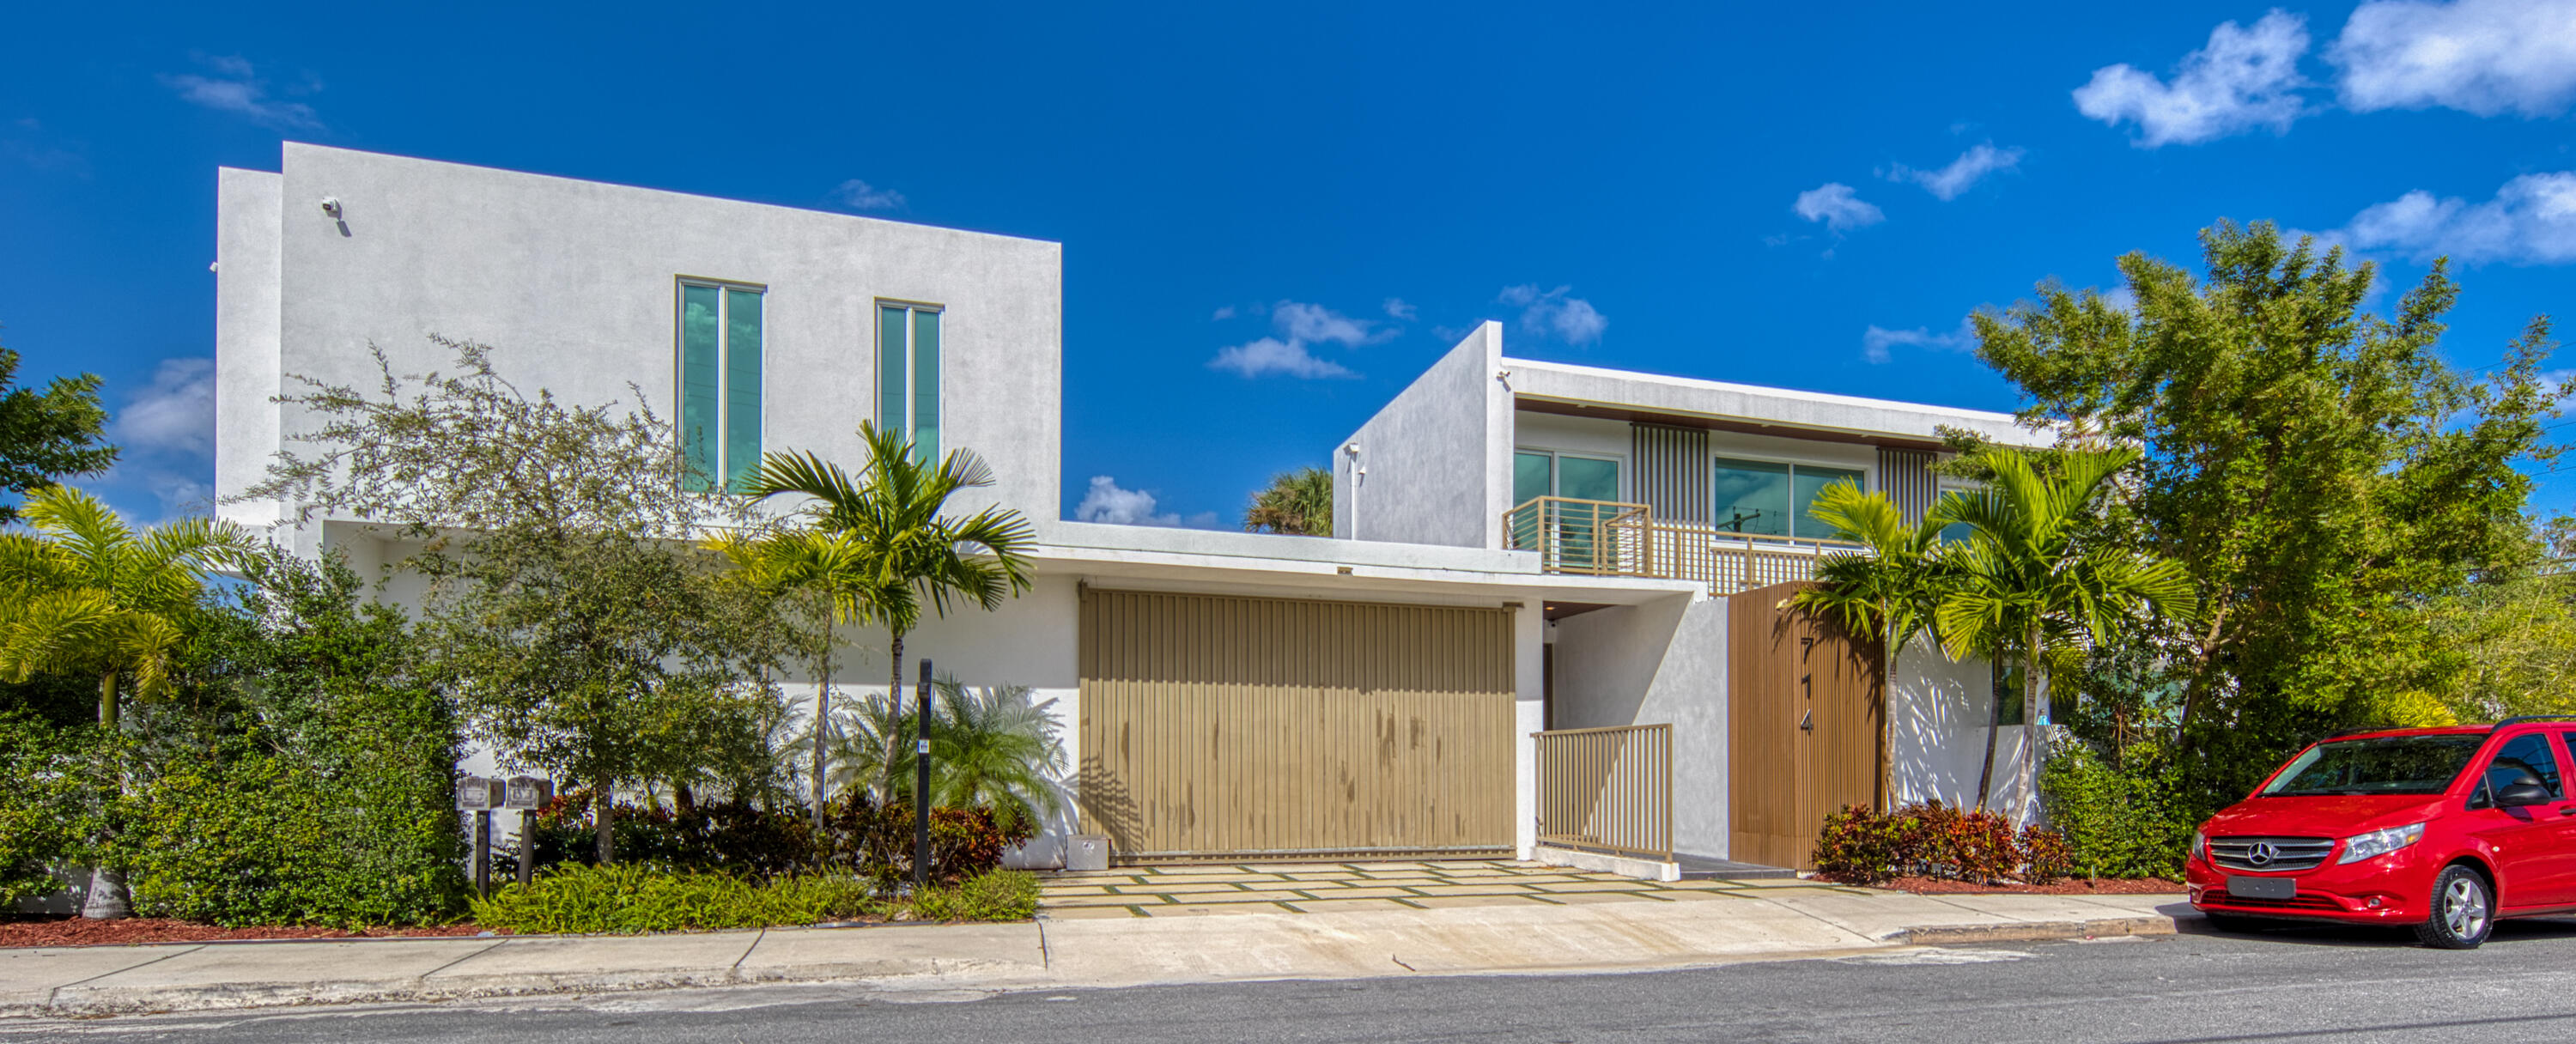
column 2444, row 830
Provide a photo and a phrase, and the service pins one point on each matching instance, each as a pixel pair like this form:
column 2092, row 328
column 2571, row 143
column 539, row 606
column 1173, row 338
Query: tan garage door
column 1247, row 727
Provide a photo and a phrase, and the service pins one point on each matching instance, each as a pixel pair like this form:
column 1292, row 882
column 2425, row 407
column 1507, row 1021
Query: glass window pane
column 892, row 348
column 2525, row 759
column 1533, row 476
column 1811, row 481
column 925, row 384
column 1587, row 478
column 701, row 383
column 1752, row 497
column 742, row 388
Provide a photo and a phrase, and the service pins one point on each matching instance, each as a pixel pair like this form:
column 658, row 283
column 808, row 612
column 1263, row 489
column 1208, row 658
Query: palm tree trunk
column 1994, row 725
column 108, row 899
column 2034, row 679
column 1887, row 722
column 107, row 699
column 603, row 804
column 822, row 708
column 894, row 697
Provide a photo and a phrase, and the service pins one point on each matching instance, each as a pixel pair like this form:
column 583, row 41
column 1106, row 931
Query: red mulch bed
column 79, row 931
column 2070, row 886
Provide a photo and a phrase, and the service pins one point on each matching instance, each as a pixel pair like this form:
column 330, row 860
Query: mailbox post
column 480, row 795
column 528, row 794
column 921, row 787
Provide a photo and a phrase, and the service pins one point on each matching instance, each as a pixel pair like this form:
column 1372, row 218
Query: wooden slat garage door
column 1216, row 725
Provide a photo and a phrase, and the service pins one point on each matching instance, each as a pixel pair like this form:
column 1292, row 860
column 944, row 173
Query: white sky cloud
column 176, row 414
column 1223, row 313
column 2530, row 221
column 1313, row 322
column 1835, row 204
column 1877, row 342
column 1106, row 503
column 1949, row 182
column 859, row 195
column 1271, row 355
column 2243, row 80
column 1556, row 313
column 236, row 88
column 2479, row 56
column 1296, row 327
column 1396, row 308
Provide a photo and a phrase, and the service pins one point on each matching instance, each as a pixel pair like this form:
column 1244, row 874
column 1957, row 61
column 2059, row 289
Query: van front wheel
column 2463, row 911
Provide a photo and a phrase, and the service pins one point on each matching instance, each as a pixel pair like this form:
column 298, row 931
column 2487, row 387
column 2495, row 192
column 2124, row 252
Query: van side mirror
column 2522, row 794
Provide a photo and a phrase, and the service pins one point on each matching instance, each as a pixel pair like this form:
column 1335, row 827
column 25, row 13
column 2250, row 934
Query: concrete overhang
column 1589, row 391
column 1202, row 561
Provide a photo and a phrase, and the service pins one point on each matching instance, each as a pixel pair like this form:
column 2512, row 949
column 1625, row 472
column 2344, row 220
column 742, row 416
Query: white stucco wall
column 1659, row 662
column 574, row 285
column 1437, row 458
column 247, row 369
column 1940, row 707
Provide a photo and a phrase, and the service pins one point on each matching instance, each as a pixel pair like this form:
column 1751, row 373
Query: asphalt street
column 2295, row 985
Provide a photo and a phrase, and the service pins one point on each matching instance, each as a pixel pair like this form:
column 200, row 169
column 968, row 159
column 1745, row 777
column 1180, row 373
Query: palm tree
column 1889, row 590
column 2027, row 585
column 873, row 750
column 1297, row 503
column 830, row 576
column 889, row 539
column 994, row 748
column 87, row 595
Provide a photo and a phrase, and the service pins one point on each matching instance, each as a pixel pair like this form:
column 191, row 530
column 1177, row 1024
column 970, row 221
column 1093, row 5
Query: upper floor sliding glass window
column 908, row 373
column 1543, row 473
column 719, row 353
column 1770, row 498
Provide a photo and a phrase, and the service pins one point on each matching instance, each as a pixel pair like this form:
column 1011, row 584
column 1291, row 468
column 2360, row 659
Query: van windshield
column 2384, row 765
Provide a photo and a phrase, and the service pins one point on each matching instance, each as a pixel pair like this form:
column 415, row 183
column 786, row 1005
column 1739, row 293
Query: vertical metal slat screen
column 1672, row 471
column 1905, row 475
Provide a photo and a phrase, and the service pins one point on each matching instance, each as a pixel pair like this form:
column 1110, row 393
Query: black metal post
column 527, row 847
column 483, row 853
column 921, row 785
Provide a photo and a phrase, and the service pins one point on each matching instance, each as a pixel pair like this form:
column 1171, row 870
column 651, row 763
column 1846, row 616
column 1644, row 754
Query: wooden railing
column 1607, row 790
column 1610, row 538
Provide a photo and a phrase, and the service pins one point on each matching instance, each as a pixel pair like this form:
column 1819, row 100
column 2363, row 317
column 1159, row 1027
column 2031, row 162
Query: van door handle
column 2568, row 811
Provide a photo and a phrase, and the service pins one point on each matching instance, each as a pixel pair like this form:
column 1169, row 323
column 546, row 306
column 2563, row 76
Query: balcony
column 1609, row 538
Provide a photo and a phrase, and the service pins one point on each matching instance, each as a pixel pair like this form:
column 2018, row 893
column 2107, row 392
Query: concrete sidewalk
column 1766, row 920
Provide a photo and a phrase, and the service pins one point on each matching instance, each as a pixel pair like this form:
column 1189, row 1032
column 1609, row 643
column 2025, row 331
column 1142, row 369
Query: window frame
column 911, row 363
column 1868, row 483
column 722, row 480
column 1555, row 475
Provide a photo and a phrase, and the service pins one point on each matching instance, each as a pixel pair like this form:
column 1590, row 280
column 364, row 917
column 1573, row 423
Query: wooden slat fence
column 1607, row 790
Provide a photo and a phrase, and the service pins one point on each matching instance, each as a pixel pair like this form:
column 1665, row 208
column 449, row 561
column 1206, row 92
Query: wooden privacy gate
column 1804, row 713
column 1251, row 727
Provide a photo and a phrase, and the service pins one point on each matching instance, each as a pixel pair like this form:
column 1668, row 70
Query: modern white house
column 1535, row 621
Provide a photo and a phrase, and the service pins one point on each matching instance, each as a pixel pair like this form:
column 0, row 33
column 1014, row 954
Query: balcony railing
column 1607, row 790
column 1610, row 538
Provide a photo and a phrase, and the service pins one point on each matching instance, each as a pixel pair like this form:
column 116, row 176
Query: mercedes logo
column 2261, row 853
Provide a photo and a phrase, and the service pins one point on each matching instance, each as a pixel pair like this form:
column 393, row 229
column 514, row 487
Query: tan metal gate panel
column 1803, row 727
column 1217, row 725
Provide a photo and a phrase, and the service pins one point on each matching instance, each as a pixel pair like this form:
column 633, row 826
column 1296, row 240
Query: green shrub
column 877, row 840
column 626, row 899
column 2117, row 823
column 996, row 895
column 716, row 837
column 48, row 806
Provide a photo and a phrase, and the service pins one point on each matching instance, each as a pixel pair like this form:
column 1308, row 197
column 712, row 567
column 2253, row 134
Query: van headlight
column 2199, row 845
column 2380, row 842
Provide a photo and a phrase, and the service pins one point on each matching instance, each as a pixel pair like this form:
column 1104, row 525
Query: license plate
column 2263, row 887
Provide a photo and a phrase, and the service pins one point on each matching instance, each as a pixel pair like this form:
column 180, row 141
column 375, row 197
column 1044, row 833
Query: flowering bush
column 1862, row 846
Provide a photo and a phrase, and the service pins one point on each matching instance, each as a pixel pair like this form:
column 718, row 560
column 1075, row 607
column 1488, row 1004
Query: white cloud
column 1396, row 308
column 1271, row 355
column 1962, row 174
column 1835, row 204
column 1223, row 313
column 1555, row 312
column 1876, row 341
column 2245, row 79
column 1296, row 326
column 176, row 414
column 236, row 88
column 1106, row 503
column 859, row 195
column 2479, row 56
column 2531, row 221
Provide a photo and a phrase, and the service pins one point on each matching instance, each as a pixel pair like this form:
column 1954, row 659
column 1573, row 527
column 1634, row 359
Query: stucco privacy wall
column 1657, row 662
column 1437, row 458
column 246, row 332
column 1940, row 709
column 574, row 285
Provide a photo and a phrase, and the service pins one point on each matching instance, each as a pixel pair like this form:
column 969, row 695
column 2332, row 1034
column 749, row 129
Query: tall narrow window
column 719, row 384
column 908, row 374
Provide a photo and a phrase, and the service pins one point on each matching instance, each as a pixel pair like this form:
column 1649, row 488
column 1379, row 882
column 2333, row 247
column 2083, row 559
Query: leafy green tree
column 2027, row 585
column 84, row 595
column 889, row 521
column 829, row 579
column 2319, row 472
column 1297, row 503
column 50, row 435
column 571, row 608
column 1888, row 590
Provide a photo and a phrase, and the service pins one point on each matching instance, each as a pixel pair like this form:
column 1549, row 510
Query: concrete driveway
column 1241, row 888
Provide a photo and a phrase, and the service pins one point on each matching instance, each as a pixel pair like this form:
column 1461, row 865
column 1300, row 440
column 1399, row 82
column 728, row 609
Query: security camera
column 331, row 207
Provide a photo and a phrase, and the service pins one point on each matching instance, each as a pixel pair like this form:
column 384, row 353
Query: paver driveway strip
column 1182, row 891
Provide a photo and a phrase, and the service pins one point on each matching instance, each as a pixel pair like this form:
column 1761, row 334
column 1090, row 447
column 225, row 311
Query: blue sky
column 1274, row 218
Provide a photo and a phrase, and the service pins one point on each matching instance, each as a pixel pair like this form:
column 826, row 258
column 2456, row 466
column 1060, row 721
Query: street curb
column 2035, row 931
